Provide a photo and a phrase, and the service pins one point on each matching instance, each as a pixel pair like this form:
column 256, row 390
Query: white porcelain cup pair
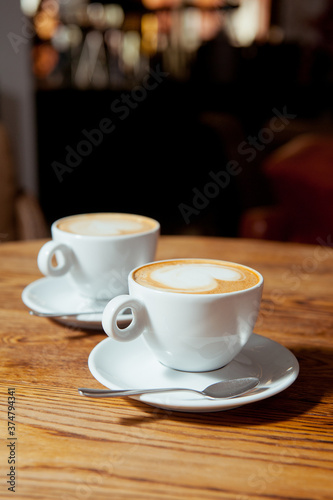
column 192, row 332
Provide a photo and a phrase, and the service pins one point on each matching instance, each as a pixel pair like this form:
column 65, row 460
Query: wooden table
column 71, row 447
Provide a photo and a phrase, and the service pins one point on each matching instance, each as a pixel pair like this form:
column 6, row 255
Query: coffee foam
column 106, row 224
column 196, row 276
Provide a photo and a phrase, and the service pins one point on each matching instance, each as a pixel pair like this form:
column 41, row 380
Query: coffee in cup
column 106, row 224
column 98, row 250
column 195, row 314
column 196, row 276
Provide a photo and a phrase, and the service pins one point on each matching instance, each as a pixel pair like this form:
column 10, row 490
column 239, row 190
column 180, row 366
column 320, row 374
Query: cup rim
column 201, row 294
column 54, row 227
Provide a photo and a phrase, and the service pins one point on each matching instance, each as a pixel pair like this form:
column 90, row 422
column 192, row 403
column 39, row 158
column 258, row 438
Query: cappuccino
column 106, row 224
column 196, row 276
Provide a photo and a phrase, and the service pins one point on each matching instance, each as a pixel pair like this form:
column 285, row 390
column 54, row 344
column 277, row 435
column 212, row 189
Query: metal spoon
column 224, row 389
column 123, row 316
column 62, row 314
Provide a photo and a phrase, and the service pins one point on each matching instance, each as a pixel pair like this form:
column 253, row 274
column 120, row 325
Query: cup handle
column 135, row 328
column 65, row 258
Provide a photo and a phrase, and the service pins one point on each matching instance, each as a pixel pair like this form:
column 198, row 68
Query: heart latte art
column 198, row 276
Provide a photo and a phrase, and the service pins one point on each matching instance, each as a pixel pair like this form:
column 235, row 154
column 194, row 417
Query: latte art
column 196, row 276
column 106, row 224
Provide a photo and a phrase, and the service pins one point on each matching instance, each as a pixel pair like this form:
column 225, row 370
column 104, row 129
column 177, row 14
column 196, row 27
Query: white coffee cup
column 189, row 326
column 97, row 251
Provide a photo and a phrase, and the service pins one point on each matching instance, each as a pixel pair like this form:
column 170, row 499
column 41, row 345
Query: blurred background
column 213, row 117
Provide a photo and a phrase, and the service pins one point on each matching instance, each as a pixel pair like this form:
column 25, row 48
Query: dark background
column 181, row 131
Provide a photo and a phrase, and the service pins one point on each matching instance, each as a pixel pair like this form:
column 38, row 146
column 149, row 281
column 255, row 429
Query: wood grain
column 70, row 447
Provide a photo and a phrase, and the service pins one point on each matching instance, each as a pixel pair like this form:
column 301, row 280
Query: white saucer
column 129, row 365
column 53, row 295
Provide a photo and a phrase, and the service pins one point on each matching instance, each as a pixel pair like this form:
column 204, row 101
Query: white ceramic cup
column 186, row 331
column 98, row 265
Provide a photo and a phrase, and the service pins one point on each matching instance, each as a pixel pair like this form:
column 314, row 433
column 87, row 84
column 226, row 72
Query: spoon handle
column 106, row 393
column 61, row 314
